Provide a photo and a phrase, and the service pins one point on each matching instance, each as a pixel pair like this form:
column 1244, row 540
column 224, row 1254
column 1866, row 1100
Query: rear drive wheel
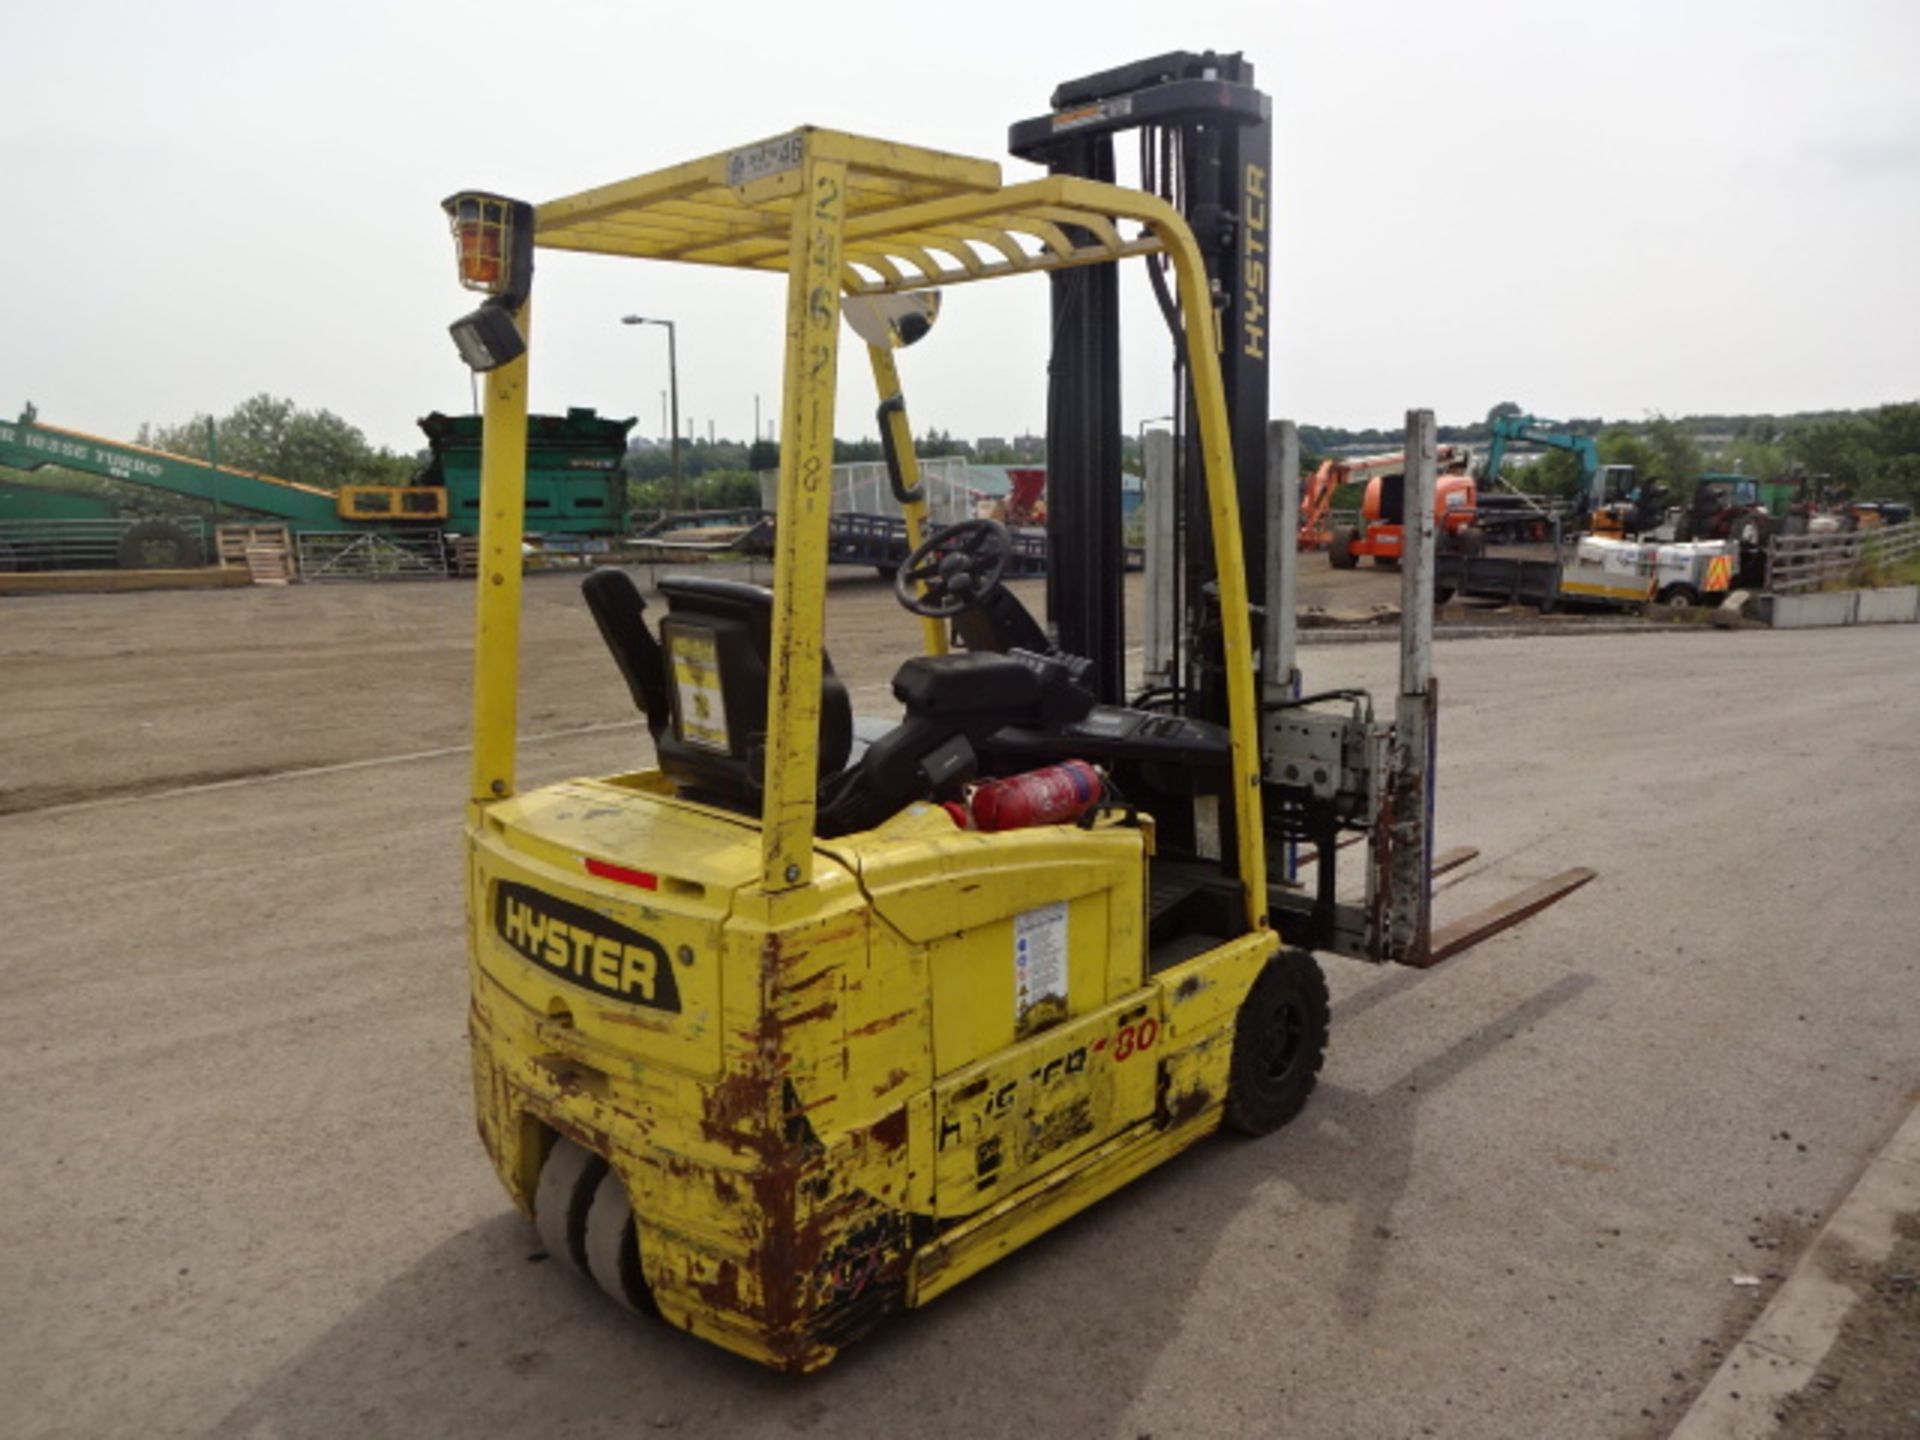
column 613, row 1246
column 568, row 1182
column 1279, row 1042
column 1340, row 550
column 1471, row 542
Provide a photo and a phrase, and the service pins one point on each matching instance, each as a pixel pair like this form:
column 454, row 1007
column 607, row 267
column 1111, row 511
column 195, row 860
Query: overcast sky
column 1601, row 208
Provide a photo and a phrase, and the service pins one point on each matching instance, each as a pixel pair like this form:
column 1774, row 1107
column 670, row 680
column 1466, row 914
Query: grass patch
column 1901, row 572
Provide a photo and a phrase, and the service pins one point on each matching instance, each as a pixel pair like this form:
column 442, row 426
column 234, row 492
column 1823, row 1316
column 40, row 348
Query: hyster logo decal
column 585, row 948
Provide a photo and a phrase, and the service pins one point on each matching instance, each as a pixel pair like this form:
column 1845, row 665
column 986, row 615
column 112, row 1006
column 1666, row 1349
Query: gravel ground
column 244, row 1198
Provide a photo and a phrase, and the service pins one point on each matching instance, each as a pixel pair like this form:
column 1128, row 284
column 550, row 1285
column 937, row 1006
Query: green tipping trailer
column 576, row 477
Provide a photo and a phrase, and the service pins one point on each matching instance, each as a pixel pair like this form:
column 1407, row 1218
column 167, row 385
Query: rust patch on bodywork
column 1188, row 1105
column 820, row 1260
column 890, row 1132
column 895, row 1077
column 885, row 1022
column 722, row 1292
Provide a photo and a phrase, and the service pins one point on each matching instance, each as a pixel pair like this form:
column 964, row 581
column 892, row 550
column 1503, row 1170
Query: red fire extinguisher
column 1053, row 796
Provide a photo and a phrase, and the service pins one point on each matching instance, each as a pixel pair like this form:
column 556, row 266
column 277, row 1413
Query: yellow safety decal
column 698, row 698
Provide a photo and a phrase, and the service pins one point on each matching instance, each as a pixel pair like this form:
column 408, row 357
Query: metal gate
column 364, row 555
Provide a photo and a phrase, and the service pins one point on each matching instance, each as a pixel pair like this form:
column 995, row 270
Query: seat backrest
column 717, row 639
column 620, row 612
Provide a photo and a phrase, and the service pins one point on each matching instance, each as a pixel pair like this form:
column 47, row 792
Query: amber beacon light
column 493, row 241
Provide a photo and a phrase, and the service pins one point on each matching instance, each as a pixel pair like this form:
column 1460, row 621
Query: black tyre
column 1747, row 532
column 1678, row 597
column 1279, row 1042
column 156, row 545
column 1471, row 542
column 1340, row 550
column 568, row 1183
column 613, row 1246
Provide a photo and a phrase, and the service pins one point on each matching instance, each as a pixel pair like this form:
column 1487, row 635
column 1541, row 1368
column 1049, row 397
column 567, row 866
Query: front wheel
column 1279, row 1043
column 1340, row 550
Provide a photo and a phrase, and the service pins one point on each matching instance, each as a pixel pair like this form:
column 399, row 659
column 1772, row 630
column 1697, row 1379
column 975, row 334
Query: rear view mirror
column 892, row 322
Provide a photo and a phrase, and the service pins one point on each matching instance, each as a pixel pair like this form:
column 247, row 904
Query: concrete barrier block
column 1894, row 605
column 1804, row 612
column 1730, row 610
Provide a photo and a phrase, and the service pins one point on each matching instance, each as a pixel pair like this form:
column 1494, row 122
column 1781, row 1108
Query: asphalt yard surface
column 244, row 1197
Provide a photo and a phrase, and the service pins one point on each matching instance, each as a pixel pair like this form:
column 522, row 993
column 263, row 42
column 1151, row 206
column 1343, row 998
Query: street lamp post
column 673, row 392
column 1140, row 435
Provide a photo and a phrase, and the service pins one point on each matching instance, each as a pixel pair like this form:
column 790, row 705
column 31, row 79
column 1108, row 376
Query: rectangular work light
column 488, row 338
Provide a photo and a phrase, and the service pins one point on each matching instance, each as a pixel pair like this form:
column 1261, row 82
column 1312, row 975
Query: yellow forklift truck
column 770, row 1038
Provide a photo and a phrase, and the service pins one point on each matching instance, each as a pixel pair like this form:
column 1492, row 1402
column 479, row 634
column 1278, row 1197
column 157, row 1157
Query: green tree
column 726, row 490
column 1750, row 455
column 1900, row 477
column 1896, row 430
column 1623, row 447
column 1842, row 448
column 1555, row 473
column 273, row 436
column 1677, row 458
column 940, row 442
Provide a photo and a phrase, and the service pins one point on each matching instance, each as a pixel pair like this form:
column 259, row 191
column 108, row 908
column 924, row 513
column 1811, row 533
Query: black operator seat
column 953, row 703
column 703, row 684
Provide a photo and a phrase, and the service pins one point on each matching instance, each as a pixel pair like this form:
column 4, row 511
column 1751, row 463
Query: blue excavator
column 1609, row 500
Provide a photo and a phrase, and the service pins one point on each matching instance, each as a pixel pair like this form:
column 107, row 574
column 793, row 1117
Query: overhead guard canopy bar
column 822, row 206
column 914, row 218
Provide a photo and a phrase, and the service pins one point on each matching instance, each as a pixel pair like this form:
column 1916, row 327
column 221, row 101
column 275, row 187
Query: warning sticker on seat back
column 700, row 703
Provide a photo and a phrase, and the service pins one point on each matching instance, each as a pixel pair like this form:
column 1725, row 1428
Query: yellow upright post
column 496, row 648
column 800, row 545
column 1223, row 503
column 886, row 380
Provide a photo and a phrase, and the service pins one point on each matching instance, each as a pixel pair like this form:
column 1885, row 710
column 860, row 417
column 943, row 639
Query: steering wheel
column 958, row 565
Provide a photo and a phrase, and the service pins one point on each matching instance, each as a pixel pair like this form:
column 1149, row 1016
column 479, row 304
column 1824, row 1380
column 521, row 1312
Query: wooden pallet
column 266, row 552
column 269, row 565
